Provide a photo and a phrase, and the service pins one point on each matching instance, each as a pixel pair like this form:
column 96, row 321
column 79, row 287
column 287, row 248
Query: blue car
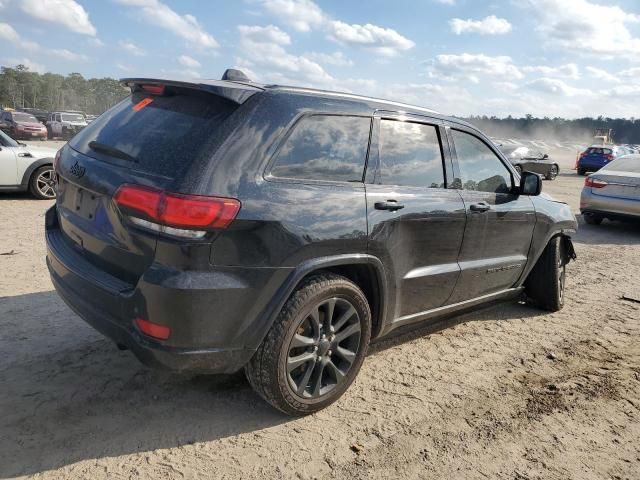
column 597, row 156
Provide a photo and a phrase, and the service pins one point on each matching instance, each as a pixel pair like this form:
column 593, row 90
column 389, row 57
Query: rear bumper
column 215, row 317
column 613, row 207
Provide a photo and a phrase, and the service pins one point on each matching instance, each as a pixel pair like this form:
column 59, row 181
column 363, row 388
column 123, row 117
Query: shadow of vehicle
column 70, row 395
column 609, row 232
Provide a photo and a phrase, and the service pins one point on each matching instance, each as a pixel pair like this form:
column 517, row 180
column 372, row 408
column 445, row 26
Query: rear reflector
column 161, row 332
column 177, row 210
column 594, row 183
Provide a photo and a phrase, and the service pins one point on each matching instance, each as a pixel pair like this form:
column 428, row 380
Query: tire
column 295, row 363
column 582, row 171
column 553, row 172
column 545, row 284
column 518, row 169
column 592, row 219
column 42, row 183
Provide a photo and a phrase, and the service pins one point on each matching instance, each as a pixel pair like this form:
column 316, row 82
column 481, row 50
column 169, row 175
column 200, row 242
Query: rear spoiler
column 235, row 92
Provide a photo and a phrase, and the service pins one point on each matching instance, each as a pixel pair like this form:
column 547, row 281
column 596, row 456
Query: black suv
column 223, row 224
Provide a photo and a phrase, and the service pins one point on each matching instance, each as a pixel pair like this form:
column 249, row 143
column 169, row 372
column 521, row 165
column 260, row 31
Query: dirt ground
column 509, row 392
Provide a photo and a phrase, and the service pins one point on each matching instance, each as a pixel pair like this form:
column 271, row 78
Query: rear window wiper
column 111, row 151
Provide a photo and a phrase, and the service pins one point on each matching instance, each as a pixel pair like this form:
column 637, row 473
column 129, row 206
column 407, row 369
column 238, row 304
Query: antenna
column 234, row 75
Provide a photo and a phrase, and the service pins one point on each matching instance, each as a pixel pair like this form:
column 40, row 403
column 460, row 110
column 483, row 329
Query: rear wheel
column 42, row 184
column 315, row 348
column 553, row 172
column 546, row 282
column 518, row 169
column 581, row 171
column 592, row 218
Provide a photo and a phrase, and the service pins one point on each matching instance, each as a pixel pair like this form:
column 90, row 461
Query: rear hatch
column 597, row 156
column 149, row 139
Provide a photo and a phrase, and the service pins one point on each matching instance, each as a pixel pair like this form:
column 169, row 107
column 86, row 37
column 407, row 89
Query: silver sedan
column 612, row 192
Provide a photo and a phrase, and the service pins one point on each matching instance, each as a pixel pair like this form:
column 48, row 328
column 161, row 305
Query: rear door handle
column 390, row 205
column 480, row 207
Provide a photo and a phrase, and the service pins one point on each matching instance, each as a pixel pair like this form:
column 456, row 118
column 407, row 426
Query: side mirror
column 545, row 156
column 530, row 184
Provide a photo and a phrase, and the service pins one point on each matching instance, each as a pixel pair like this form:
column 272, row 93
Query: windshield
column 599, row 151
column 24, row 117
column 6, row 140
column 628, row 163
column 72, row 117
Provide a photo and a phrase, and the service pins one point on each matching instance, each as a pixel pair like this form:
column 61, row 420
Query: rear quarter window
column 324, row 148
column 163, row 134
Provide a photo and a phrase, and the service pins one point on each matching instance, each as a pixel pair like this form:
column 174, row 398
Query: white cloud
column 471, row 67
column 68, row 13
column 600, row 74
column 490, row 25
column 8, row 33
column 302, row 15
column 625, row 91
column 189, row 62
column 68, row 55
column 263, row 48
column 570, row 70
column 630, row 73
column 585, row 28
column 446, row 2
column 556, row 86
column 185, row 26
column 30, row 64
column 96, row 42
column 337, row 59
column 131, row 48
column 384, row 41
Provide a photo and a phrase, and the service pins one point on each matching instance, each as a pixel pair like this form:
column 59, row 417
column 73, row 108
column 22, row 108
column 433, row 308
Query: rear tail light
column 161, row 332
column 175, row 213
column 56, row 160
column 594, row 183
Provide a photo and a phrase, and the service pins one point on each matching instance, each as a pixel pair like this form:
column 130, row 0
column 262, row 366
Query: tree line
column 558, row 129
column 21, row 88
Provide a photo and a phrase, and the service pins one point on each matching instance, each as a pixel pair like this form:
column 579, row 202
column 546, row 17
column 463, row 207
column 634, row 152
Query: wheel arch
column 366, row 271
column 28, row 173
column 567, row 247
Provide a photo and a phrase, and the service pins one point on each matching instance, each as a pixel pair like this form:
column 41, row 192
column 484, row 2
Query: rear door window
column 325, row 148
column 410, row 155
column 157, row 134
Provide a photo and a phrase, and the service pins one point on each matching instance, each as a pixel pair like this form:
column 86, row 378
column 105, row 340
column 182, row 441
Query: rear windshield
column 157, row 134
column 630, row 163
column 599, row 151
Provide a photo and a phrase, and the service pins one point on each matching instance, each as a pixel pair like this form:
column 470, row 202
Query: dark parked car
column 282, row 229
column 531, row 160
column 597, row 156
column 20, row 125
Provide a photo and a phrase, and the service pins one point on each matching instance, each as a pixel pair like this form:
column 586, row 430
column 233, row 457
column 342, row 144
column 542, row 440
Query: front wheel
column 546, row 282
column 553, row 172
column 315, row 348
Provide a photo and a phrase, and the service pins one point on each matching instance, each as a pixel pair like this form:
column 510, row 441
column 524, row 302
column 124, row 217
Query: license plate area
column 78, row 200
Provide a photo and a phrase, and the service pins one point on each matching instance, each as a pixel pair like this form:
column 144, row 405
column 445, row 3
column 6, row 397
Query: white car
column 26, row 168
column 65, row 124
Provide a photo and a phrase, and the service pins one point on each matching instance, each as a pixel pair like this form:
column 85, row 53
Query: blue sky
column 564, row 58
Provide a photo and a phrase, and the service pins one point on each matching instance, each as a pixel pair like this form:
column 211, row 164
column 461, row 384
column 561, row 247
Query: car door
column 500, row 222
column 533, row 162
column 57, row 125
column 415, row 222
column 8, row 165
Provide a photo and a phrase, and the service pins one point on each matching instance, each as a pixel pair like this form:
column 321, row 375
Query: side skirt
column 447, row 310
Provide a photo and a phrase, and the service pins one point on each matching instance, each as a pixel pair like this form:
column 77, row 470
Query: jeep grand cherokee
column 220, row 225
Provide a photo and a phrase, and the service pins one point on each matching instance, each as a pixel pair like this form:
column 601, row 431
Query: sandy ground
column 508, row 392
